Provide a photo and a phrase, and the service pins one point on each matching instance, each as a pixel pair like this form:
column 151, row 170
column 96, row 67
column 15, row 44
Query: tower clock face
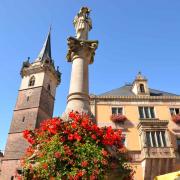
column 28, row 92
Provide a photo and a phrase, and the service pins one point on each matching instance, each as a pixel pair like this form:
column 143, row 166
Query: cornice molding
column 139, row 97
column 32, row 69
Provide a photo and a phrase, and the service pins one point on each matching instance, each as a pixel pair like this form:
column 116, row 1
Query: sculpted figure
column 82, row 23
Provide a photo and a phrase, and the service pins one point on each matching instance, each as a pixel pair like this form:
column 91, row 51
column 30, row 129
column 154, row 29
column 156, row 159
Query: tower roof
column 45, row 52
column 140, row 77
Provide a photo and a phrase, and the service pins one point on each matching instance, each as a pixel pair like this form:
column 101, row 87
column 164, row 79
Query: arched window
column 142, row 89
column 32, row 81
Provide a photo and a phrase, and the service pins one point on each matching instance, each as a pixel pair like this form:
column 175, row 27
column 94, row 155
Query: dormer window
column 142, row 89
column 32, row 81
column 140, row 85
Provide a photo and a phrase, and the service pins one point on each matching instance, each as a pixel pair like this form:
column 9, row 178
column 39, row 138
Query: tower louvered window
column 32, row 81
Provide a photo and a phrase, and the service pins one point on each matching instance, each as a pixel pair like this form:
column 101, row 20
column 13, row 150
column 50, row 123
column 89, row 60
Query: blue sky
column 133, row 36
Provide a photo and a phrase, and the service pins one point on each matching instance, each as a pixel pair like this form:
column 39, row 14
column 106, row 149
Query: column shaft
column 79, row 76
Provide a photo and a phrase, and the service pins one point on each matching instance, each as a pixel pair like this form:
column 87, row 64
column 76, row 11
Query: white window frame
column 144, row 114
column 140, row 88
column 117, row 107
column 156, row 141
column 174, row 110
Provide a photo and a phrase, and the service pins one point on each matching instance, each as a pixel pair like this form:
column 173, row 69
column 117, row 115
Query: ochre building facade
column 152, row 138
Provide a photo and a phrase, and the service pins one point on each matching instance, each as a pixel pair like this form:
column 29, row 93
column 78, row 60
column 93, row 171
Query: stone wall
column 9, row 169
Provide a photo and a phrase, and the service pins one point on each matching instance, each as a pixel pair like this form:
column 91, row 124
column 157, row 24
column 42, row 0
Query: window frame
column 152, row 141
column 32, row 81
column 120, row 107
column 142, row 87
column 174, row 110
column 149, row 112
column 49, row 87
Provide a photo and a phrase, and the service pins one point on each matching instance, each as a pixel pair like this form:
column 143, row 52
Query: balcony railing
column 158, row 152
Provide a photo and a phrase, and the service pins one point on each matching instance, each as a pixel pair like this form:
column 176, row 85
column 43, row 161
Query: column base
column 79, row 102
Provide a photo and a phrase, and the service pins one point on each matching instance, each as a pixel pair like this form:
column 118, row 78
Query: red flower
column 29, row 151
column 95, row 127
column 72, row 115
column 41, row 155
column 45, row 165
column 84, row 164
column 62, row 139
column 93, row 177
column 118, row 118
column 77, row 137
column 81, row 173
column 71, row 162
column 104, row 152
column 67, row 150
column 74, row 125
column 104, row 162
column 55, row 136
column 26, row 134
column 57, row 154
column 93, row 136
column 70, row 137
column 176, row 118
column 31, row 141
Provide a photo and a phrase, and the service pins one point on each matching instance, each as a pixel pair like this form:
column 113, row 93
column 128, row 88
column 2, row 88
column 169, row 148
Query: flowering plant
column 118, row 118
column 176, row 118
column 76, row 150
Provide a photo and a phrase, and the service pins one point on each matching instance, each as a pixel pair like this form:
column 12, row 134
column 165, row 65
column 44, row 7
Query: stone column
column 81, row 54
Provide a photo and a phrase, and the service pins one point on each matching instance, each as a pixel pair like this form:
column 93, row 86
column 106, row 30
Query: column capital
column 81, row 48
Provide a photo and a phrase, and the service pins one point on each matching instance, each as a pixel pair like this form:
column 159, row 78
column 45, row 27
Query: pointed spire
column 46, row 49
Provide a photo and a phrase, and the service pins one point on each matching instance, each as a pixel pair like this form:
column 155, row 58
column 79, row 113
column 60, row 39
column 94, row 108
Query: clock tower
column 35, row 103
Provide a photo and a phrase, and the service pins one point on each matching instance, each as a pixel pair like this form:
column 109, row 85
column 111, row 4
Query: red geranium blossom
column 57, row 154
column 118, row 118
column 176, row 118
column 75, row 149
column 84, row 164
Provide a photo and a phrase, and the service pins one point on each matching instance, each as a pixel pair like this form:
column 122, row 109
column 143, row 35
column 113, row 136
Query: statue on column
column 81, row 52
column 82, row 23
